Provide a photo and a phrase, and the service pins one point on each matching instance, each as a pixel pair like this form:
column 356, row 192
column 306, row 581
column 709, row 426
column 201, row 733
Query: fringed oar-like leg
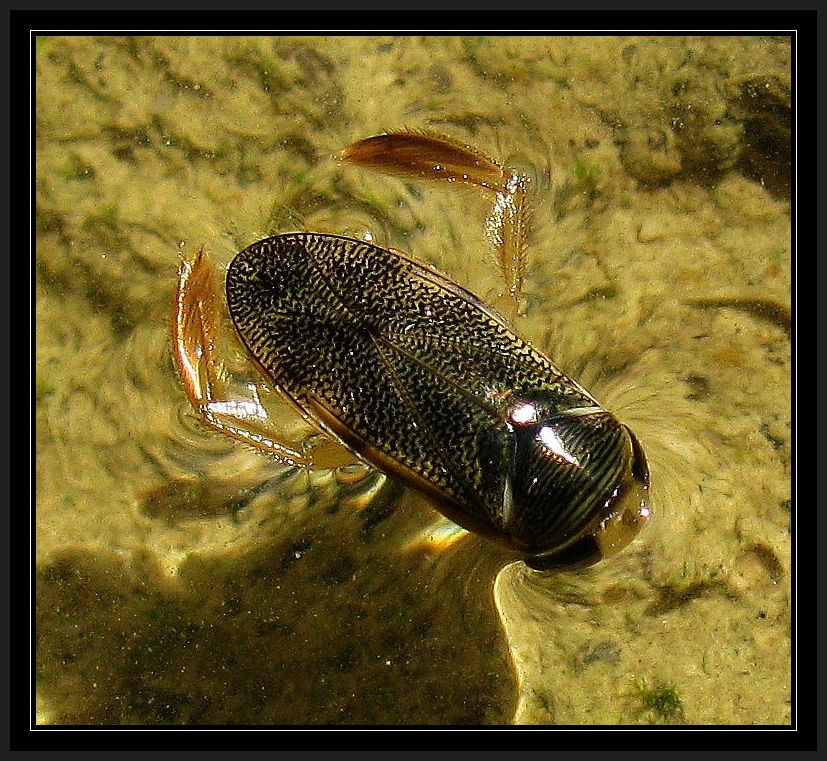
column 420, row 156
column 194, row 338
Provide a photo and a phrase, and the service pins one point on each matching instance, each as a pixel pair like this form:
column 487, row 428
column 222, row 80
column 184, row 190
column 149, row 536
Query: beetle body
column 419, row 378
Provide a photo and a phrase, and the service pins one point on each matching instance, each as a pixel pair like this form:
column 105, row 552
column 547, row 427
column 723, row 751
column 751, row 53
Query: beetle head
column 577, row 485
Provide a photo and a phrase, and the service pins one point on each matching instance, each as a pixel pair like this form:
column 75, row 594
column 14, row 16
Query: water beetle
column 418, row 377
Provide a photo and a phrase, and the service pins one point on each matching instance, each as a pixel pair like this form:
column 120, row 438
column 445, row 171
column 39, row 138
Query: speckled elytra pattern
column 410, row 363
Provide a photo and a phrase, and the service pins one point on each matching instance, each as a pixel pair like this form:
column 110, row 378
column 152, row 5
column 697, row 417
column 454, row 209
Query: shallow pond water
column 183, row 579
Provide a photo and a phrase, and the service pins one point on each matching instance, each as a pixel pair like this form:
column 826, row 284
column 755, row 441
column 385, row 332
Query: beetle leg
column 420, row 156
column 506, row 227
column 194, row 328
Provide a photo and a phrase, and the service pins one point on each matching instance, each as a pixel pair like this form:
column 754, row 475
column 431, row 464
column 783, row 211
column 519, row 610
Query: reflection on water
column 183, row 579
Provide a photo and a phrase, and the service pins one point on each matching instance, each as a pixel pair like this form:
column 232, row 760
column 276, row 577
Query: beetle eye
column 628, row 509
